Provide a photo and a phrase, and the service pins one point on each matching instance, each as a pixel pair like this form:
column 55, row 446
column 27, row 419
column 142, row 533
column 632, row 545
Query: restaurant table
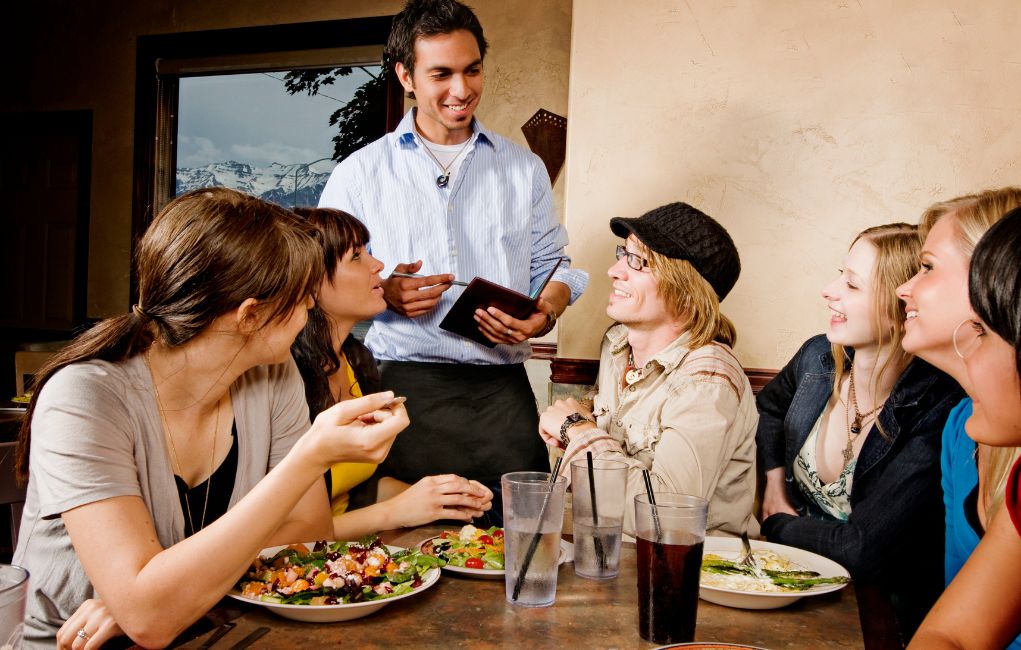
column 459, row 612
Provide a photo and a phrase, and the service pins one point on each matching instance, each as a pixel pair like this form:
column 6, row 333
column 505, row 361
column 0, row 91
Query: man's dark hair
column 995, row 280
column 424, row 18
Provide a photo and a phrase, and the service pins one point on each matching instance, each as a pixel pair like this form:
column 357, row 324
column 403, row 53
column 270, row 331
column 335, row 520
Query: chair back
column 12, row 495
column 26, row 364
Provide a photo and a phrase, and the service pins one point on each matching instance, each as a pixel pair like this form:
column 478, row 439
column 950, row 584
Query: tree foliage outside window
column 360, row 121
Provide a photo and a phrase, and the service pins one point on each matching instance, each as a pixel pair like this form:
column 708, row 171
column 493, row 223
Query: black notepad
column 482, row 294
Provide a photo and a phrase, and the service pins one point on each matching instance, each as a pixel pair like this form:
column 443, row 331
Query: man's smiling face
column 447, row 82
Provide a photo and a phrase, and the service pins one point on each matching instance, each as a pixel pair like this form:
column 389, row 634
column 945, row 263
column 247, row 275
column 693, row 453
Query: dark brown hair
column 425, row 18
column 205, row 253
column 994, row 281
column 338, row 232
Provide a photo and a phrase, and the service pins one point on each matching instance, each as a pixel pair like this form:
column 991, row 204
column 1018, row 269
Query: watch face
column 570, row 421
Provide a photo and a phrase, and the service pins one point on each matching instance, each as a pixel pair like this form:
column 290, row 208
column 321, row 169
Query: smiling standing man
column 446, row 198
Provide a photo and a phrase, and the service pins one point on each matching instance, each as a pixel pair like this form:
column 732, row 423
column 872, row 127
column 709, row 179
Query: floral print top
column 833, row 498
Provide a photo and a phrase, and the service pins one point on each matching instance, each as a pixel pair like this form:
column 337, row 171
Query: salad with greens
column 776, row 574
column 470, row 548
column 335, row 573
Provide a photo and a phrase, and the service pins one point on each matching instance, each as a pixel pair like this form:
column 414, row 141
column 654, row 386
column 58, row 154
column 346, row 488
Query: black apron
column 477, row 421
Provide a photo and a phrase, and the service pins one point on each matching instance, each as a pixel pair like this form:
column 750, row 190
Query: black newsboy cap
column 682, row 232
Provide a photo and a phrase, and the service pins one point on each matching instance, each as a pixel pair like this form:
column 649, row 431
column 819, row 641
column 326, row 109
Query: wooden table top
column 460, row 612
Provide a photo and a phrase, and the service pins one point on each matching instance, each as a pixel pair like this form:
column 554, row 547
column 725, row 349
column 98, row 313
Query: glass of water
column 598, row 513
column 533, row 515
column 13, row 593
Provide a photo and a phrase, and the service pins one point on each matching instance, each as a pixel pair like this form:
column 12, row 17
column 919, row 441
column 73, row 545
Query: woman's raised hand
column 358, row 430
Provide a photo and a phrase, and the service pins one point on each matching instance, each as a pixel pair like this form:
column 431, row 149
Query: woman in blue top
column 849, row 435
column 936, row 299
column 982, row 606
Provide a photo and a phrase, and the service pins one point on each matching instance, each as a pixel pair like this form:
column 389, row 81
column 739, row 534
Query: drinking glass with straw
column 670, row 531
column 533, row 505
column 600, row 489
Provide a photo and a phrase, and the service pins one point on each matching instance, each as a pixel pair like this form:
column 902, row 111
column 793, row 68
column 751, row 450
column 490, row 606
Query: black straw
column 652, row 504
column 598, row 541
column 538, row 532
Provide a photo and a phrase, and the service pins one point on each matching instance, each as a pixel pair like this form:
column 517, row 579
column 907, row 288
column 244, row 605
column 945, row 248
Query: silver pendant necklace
column 444, row 178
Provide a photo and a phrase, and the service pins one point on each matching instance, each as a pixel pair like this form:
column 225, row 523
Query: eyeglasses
column 634, row 260
column 967, row 337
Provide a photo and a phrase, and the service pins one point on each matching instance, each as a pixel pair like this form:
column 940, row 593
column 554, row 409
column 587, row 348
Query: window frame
column 156, row 96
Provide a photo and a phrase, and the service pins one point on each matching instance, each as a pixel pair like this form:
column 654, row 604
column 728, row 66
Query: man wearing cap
column 670, row 397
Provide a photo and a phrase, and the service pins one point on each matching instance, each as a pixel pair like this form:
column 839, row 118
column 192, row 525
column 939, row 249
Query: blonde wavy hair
column 973, row 215
column 897, row 247
column 689, row 297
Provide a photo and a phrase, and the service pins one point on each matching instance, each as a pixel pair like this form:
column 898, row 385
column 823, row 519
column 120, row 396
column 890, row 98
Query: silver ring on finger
column 510, row 332
column 83, row 635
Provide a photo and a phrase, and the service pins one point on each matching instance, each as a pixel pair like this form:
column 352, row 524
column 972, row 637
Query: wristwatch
column 551, row 321
column 570, row 421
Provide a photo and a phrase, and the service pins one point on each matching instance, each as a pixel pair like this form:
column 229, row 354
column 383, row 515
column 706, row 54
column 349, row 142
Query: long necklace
column 173, row 450
column 854, row 425
column 444, row 178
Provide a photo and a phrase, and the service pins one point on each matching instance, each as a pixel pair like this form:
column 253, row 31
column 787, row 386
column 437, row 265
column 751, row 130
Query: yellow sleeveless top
column 345, row 476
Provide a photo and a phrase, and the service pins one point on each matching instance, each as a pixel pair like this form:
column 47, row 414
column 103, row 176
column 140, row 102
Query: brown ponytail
column 205, row 253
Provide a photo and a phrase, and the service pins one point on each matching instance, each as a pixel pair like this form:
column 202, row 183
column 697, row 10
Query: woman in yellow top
column 335, row 366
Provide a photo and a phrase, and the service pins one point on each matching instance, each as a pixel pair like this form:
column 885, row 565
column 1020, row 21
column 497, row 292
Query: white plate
column 730, row 548
column 497, row 574
column 334, row 613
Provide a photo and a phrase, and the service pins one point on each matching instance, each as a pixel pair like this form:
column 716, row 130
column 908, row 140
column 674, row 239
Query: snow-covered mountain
column 275, row 183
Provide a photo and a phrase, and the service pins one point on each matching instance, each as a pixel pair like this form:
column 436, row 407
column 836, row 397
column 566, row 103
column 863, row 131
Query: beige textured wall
column 81, row 55
column 795, row 123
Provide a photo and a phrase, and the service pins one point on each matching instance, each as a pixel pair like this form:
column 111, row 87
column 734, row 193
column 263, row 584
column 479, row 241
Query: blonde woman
column 936, row 299
column 982, row 606
column 849, row 434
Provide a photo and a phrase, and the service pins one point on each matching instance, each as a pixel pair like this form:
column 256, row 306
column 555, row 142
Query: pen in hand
column 419, row 275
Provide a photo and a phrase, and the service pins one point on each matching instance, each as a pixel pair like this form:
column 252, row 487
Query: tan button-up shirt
column 690, row 420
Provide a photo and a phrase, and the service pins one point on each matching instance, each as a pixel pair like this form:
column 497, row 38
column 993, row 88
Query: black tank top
column 219, row 486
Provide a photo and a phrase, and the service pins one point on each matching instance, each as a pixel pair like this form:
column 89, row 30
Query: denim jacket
column 895, row 532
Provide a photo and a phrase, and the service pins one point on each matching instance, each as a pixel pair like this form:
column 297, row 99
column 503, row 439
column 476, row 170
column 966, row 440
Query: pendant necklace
column 854, row 425
column 444, row 178
column 177, row 462
column 631, row 372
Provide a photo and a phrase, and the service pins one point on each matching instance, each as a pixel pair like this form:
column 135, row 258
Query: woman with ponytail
column 164, row 448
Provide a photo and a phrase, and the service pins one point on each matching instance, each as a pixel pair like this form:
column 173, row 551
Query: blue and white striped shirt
column 495, row 220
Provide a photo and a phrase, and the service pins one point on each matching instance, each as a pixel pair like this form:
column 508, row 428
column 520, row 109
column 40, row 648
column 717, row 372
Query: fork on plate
column 747, row 559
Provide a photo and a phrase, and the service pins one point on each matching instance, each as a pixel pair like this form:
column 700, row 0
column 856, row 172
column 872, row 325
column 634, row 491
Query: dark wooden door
column 44, row 224
column 44, row 182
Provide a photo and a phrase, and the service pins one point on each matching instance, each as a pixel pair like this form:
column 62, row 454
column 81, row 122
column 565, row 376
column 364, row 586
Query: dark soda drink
column 668, row 590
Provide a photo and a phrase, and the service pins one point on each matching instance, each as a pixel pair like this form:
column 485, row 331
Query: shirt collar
column 669, row 357
column 408, row 138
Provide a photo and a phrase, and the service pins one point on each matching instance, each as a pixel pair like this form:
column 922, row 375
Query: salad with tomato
column 471, row 548
column 335, row 573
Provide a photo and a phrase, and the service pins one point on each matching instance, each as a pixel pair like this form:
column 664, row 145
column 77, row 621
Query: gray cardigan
column 96, row 434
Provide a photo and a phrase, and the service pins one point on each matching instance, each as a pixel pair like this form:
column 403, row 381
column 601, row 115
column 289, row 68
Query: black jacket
column 895, row 533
